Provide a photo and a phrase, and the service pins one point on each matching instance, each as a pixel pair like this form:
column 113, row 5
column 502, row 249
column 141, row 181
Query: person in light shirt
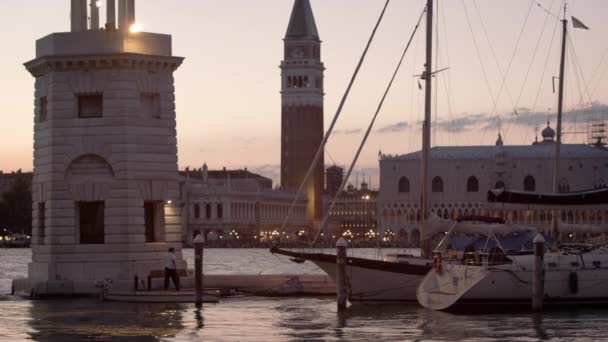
column 171, row 269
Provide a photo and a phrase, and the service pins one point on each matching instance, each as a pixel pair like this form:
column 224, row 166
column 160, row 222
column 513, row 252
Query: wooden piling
column 198, row 268
column 341, row 283
column 538, row 282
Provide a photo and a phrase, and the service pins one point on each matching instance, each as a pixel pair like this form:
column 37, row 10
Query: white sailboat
column 572, row 275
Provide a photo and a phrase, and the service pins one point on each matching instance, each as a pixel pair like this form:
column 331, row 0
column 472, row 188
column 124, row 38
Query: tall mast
column 426, row 130
column 560, row 104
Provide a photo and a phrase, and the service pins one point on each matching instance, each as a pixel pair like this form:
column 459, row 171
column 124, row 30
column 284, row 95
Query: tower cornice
column 40, row 66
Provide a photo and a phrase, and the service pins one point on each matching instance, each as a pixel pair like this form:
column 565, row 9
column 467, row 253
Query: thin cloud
column 348, row 131
column 395, row 128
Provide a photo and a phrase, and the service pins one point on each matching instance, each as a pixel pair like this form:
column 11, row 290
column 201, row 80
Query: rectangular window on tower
column 90, row 106
column 43, row 109
column 150, row 105
column 41, row 222
column 91, row 222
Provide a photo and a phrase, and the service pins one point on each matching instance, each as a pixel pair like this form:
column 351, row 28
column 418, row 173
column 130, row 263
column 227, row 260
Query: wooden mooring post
column 538, row 282
column 198, row 268
column 342, row 285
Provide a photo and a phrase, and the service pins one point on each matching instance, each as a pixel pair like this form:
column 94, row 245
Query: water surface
column 249, row 318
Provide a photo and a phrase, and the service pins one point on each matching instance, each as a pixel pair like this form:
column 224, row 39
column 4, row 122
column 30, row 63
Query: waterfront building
column 302, row 107
column 462, row 175
column 237, row 205
column 105, row 188
column 354, row 214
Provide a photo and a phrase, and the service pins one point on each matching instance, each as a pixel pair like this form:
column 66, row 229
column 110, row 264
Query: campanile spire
column 302, row 106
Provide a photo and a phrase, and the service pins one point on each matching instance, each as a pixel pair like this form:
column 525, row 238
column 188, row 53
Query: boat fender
column 437, row 263
column 573, row 282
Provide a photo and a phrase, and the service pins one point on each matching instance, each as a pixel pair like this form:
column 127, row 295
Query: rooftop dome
column 548, row 133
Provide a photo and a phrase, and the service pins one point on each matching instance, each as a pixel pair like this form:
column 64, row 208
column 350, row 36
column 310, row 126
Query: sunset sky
column 227, row 90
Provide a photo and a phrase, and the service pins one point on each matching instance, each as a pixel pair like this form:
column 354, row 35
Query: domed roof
column 548, row 133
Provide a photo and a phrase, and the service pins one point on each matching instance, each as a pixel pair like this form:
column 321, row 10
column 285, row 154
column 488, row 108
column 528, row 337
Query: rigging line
column 330, row 157
column 483, row 69
column 369, row 129
column 540, row 84
column 504, row 76
column 578, row 68
column 597, row 68
column 334, row 120
column 603, row 73
column 577, row 78
column 534, row 54
column 485, row 75
column 548, row 11
column 447, row 81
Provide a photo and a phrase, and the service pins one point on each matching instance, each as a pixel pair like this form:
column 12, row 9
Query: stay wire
column 333, row 123
column 369, row 128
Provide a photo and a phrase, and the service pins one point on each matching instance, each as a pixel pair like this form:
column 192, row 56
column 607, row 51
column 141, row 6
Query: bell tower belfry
column 105, row 189
column 302, row 106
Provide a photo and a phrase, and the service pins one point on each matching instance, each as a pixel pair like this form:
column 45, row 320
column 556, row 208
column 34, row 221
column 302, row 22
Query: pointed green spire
column 302, row 23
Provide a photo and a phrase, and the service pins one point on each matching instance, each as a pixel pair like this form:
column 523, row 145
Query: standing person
column 171, row 269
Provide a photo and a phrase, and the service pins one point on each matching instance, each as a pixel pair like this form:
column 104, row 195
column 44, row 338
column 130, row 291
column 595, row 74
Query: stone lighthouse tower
column 302, row 106
column 105, row 189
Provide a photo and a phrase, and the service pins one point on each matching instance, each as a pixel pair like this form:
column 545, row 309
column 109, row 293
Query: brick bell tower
column 302, row 106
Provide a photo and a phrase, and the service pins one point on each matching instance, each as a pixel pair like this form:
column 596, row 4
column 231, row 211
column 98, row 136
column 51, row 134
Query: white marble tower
column 105, row 190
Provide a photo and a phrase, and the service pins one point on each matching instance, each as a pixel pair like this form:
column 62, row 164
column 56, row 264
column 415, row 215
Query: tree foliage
column 16, row 206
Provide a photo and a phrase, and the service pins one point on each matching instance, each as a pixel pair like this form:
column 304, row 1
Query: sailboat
column 396, row 277
column 573, row 274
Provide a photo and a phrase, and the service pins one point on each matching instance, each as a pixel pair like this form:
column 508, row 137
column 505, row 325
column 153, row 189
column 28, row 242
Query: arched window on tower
column 404, row 184
column 472, row 184
column 499, row 185
column 437, row 184
column 289, row 82
column 529, row 183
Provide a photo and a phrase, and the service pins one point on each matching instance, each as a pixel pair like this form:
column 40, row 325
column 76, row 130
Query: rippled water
column 270, row 319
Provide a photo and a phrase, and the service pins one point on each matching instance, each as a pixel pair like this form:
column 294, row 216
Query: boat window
column 597, row 263
column 472, row 184
column 437, row 184
column 404, row 184
column 529, row 183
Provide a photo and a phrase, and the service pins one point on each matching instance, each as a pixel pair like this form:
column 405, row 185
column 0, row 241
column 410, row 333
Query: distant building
column 462, row 175
column 237, row 204
column 354, row 214
column 334, row 176
column 302, row 107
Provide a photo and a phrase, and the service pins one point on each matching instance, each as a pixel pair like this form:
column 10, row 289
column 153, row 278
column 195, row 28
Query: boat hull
column 569, row 279
column 373, row 280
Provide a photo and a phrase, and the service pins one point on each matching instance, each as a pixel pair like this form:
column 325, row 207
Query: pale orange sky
column 228, row 101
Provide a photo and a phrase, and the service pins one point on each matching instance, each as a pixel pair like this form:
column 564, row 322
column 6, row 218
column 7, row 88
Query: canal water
column 270, row 319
